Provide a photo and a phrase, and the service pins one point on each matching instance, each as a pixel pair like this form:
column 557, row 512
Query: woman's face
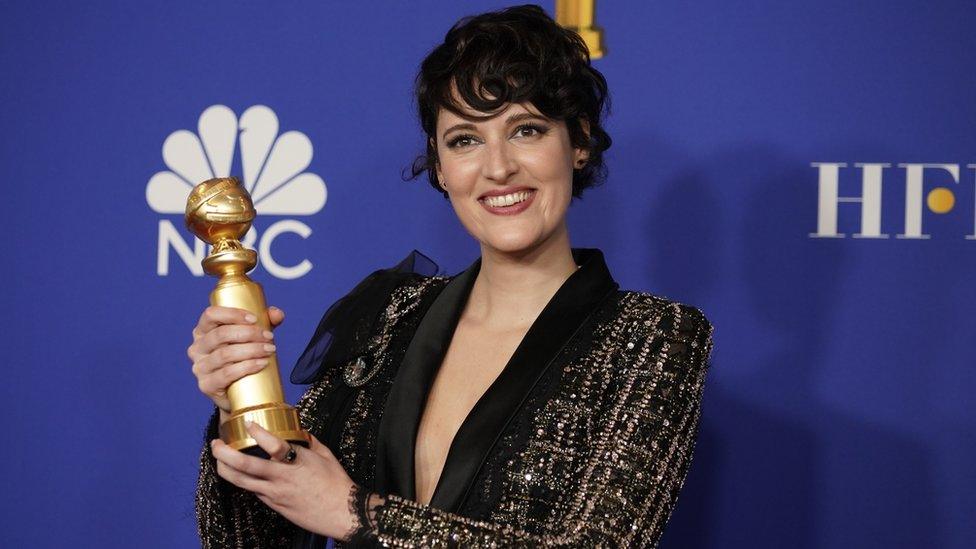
column 509, row 178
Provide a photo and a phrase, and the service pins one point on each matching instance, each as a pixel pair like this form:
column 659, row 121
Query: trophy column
column 219, row 212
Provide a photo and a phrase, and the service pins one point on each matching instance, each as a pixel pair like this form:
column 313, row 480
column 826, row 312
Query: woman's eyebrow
column 462, row 126
column 518, row 117
column 524, row 116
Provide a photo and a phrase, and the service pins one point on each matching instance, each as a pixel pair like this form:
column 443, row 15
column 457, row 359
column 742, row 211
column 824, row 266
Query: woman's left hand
column 312, row 491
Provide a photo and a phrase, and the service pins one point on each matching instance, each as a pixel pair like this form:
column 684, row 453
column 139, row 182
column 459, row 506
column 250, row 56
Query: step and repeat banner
column 802, row 172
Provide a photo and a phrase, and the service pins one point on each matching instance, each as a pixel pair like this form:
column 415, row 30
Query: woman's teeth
column 506, row 199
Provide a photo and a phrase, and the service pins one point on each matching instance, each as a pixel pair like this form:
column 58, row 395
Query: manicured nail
column 269, row 347
column 268, row 335
column 248, row 423
column 262, row 362
column 250, row 318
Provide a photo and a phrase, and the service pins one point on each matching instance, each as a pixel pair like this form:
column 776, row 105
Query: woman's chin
column 516, row 243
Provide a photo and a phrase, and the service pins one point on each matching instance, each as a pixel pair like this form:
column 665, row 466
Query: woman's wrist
column 363, row 505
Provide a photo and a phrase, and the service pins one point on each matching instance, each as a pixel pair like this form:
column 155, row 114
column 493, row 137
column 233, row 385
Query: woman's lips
column 508, row 204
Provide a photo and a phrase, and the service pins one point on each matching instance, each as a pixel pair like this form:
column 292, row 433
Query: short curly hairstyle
column 515, row 55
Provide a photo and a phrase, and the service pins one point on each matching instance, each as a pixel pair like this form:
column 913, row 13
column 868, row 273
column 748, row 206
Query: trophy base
column 281, row 421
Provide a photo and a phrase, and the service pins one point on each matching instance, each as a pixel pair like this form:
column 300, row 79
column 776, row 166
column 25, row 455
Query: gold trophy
column 579, row 15
column 219, row 212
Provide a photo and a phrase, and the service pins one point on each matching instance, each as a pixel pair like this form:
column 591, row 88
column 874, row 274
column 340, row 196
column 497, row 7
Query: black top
column 583, row 439
column 559, row 320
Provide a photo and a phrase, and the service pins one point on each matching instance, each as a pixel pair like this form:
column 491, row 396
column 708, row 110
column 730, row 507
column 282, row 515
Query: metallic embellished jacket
column 584, row 439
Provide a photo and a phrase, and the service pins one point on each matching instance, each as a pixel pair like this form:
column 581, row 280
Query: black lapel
column 572, row 304
column 405, row 403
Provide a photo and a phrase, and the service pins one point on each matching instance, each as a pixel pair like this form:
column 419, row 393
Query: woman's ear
column 440, row 176
column 437, row 164
column 582, row 155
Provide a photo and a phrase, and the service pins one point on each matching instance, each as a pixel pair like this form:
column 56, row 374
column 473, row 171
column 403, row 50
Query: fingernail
column 268, row 335
column 262, row 362
column 212, row 442
column 248, row 423
column 269, row 347
column 250, row 318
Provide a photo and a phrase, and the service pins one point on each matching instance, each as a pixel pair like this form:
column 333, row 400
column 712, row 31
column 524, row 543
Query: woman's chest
column 500, row 433
column 471, row 364
column 536, row 453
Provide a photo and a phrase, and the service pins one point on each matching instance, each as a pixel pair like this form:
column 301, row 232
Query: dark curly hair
column 514, row 55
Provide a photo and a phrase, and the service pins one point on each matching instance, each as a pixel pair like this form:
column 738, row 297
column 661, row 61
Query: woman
column 525, row 401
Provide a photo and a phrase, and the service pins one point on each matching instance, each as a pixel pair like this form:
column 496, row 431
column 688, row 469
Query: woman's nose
column 499, row 164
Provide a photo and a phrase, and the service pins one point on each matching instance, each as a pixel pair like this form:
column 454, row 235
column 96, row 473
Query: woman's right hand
column 228, row 344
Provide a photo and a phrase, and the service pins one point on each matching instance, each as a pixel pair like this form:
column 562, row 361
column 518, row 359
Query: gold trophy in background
column 580, row 16
column 219, row 212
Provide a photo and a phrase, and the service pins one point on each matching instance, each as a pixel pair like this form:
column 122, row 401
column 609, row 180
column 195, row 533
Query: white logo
column 939, row 200
column 273, row 168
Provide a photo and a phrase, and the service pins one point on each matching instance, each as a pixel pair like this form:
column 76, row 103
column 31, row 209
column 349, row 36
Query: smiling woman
column 516, row 56
column 524, row 401
column 494, row 171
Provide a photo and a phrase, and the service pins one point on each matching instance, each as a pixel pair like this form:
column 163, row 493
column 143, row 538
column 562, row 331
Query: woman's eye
column 460, row 141
column 529, row 130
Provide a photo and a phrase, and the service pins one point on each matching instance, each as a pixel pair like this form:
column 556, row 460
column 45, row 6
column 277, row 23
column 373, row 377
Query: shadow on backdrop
column 775, row 466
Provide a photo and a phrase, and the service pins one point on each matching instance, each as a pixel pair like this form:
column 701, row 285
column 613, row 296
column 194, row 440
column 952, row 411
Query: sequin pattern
column 595, row 457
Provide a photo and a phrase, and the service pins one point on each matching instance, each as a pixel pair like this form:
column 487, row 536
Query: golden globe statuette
column 579, row 16
column 219, row 212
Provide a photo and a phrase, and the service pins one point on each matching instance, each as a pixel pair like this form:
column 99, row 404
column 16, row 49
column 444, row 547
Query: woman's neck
column 512, row 289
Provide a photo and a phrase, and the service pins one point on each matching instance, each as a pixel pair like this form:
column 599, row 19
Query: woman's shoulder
column 346, row 326
column 414, row 273
column 666, row 339
column 414, row 269
column 656, row 315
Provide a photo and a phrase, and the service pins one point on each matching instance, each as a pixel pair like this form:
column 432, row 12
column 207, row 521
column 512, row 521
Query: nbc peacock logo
column 273, row 168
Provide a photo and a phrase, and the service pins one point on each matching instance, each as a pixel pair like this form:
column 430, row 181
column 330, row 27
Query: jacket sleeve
column 631, row 480
column 228, row 516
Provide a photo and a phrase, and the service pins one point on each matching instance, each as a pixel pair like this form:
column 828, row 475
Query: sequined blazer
column 584, row 439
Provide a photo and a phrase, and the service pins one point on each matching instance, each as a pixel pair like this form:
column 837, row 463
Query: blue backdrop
column 839, row 408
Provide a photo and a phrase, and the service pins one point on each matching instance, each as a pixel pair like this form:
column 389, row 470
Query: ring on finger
column 290, row 455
